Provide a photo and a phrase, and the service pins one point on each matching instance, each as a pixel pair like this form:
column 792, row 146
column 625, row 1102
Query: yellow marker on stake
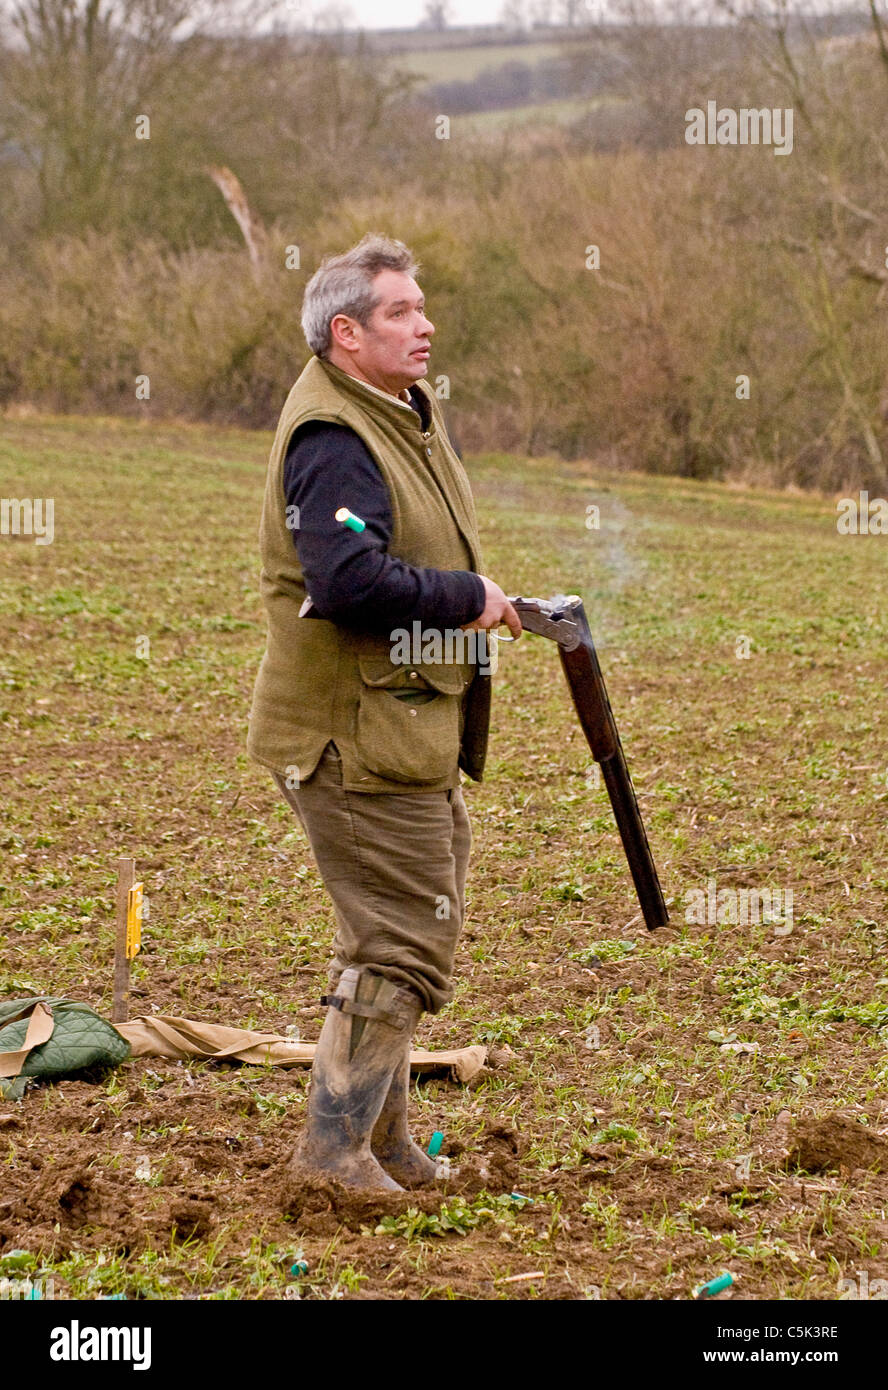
column 126, row 878
column 134, row 921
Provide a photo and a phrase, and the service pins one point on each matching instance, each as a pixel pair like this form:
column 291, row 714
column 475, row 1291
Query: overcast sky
column 401, row 14
column 406, row 14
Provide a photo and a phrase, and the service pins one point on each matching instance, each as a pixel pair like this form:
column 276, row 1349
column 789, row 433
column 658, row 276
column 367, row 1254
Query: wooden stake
column 126, row 877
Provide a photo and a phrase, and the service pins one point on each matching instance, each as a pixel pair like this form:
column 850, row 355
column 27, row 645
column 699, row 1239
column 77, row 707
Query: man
column 365, row 749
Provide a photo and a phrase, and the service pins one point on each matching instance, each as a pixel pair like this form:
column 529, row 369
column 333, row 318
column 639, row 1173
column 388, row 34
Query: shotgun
column 564, row 621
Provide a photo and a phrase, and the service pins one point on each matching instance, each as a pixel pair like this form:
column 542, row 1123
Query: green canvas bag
column 45, row 1037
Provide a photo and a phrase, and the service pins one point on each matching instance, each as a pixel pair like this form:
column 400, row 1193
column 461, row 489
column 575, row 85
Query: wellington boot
column 361, row 1045
column 391, row 1143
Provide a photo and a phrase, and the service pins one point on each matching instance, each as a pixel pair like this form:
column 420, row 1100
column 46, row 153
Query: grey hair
column 344, row 285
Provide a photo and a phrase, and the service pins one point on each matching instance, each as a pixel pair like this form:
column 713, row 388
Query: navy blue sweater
column 328, row 466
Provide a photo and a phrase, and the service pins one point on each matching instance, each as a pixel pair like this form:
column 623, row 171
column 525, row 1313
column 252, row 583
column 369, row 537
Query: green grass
column 766, row 772
column 558, row 111
column 464, row 64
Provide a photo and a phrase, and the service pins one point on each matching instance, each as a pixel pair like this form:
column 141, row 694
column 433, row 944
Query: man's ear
column 343, row 332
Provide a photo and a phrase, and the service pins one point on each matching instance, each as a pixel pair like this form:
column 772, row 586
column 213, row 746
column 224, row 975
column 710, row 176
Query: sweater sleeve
column 351, row 578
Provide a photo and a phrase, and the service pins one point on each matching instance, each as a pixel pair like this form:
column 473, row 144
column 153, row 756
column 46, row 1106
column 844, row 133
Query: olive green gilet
column 319, row 681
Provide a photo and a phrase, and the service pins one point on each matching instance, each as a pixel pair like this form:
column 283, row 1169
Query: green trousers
column 395, row 867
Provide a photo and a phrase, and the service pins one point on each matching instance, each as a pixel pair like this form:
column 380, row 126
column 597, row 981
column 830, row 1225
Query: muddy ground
column 655, row 1108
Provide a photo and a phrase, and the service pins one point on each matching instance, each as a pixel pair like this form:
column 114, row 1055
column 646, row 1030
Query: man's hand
column 497, row 609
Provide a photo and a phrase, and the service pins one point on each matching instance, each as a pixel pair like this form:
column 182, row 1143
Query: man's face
column 393, row 350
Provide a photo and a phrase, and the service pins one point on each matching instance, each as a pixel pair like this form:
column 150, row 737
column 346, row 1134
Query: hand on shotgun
column 497, row 609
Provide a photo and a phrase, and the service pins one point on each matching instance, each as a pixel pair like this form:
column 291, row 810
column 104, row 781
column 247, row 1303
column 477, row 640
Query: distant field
column 541, row 113
column 661, row 1101
column 464, row 64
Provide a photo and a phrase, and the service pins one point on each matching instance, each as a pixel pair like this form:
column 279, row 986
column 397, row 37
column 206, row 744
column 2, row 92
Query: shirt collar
column 399, row 400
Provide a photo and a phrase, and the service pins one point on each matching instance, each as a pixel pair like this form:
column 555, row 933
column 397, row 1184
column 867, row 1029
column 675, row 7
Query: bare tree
column 252, row 227
column 821, row 67
column 436, row 15
column 514, row 15
column 76, row 75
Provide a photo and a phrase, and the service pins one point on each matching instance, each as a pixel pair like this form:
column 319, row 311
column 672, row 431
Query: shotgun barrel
column 564, row 621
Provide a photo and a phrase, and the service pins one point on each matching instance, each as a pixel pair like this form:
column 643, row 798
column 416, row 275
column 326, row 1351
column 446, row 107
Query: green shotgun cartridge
column 715, row 1286
column 354, row 523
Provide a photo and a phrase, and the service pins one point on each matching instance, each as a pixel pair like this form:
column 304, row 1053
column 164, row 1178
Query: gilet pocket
column 407, row 731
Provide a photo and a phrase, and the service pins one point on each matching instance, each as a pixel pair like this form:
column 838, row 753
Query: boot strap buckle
column 394, row 1018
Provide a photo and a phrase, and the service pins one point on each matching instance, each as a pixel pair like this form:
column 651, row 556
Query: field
column 710, row 1097
column 463, row 64
column 561, row 111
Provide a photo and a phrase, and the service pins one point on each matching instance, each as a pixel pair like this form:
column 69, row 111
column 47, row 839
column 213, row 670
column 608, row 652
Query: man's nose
column 426, row 326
